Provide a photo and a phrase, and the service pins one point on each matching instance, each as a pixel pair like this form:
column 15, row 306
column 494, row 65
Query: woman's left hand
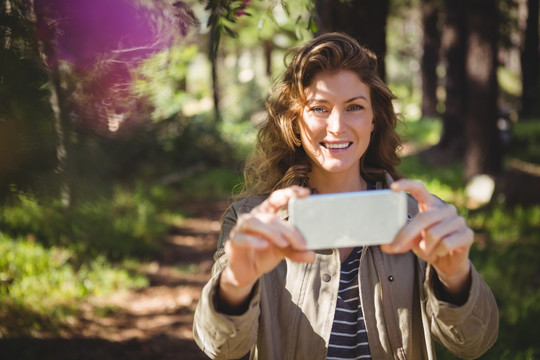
column 437, row 235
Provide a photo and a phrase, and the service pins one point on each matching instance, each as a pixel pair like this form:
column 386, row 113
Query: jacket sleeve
column 223, row 336
column 469, row 330
column 219, row 335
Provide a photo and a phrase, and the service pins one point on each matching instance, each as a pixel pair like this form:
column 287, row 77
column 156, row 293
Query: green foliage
column 27, row 144
column 269, row 17
column 126, row 223
column 40, row 287
column 242, row 134
column 212, row 184
column 162, row 80
column 420, row 133
column 402, row 61
column 526, row 140
column 54, row 257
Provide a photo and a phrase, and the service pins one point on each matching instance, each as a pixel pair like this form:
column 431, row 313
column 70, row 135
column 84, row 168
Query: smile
column 336, row 146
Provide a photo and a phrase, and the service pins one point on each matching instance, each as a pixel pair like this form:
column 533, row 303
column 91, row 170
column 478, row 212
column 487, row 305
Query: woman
column 331, row 128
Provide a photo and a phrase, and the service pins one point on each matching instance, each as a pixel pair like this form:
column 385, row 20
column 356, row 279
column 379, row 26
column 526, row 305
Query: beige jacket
column 291, row 312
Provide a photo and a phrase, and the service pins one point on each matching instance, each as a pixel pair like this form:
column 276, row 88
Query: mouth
column 337, row 146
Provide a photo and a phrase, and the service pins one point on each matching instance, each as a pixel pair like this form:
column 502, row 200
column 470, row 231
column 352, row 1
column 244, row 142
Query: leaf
column 285, row 7
column 313, row 25
column 273, row 19
column 261, row 22
column 229, row 31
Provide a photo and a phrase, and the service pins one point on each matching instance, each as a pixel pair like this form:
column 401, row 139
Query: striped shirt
column 348, row 339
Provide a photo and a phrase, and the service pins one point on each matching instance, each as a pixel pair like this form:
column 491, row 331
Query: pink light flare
column 103, row 41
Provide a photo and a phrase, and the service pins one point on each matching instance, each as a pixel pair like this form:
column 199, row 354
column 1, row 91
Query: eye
column 355, row 107
column 318, row 110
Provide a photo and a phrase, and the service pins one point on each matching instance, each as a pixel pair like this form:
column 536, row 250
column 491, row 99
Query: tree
column 26, row 135
column 530, row 61
column 470, row 119
column 454, row 42
column 483, row 152
column 62, row 123
column 362, row 19
column 431, row 38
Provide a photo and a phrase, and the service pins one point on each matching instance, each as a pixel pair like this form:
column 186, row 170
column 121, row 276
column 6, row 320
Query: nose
column 336, row 122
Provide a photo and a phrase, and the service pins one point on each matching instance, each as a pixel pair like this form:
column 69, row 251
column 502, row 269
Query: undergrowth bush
column 128, row 223
column 40, row 287
column 53, row 257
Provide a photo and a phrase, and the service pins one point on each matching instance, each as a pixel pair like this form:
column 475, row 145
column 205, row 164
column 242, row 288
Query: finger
column 461, row 240
column 272, row 229
column 441, row 231
column 412, row 233
column 280, row 198
column 305, row 256
column 419, row 191
column 248, row 241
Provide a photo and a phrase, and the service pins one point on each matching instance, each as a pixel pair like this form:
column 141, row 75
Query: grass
column 40, row 287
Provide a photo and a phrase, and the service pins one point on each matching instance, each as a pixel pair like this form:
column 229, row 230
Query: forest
column 124, row 127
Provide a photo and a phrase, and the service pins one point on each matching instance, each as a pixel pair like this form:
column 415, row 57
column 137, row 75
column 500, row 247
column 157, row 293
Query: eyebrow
column 360, row 97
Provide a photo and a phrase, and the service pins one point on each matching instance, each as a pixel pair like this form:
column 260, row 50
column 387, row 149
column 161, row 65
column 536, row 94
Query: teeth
column 336, row 146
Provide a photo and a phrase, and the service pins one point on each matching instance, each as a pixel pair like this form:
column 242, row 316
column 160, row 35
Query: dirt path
column 152, row 323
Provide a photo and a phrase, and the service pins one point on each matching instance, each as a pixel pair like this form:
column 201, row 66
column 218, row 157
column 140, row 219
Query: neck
column 336, row 183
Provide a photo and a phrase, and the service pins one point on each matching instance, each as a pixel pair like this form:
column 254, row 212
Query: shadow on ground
column 161, row 347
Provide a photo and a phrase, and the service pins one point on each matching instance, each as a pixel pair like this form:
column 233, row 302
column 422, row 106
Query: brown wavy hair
column 279, row 159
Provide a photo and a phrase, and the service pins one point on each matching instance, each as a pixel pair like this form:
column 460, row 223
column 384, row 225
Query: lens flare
column 94, row 47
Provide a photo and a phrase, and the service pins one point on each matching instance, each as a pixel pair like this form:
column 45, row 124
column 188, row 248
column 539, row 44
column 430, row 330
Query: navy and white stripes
column 348, row 339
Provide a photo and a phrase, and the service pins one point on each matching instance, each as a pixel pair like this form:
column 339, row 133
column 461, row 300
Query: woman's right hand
column 258, row 242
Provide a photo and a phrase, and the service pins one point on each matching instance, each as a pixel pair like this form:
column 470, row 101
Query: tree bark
column 61, row 120
column 430, row 57
column 268, row 47
column 530, row 62
column 364, row 20
column 215, row 86
column 483, row 153
column 451, row 146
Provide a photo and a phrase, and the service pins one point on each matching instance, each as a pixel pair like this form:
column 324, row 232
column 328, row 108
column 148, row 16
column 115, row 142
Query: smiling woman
column 331, row 129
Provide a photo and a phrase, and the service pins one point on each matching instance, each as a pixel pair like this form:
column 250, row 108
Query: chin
column 338, row 168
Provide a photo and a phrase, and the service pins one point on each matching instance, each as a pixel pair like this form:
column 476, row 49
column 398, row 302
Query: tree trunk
column 530, row 62
column 483, row 153
column 430, row 57
column 451, row 146
column 61, row 121
column 364, row 20
column 215, row 86
column 268, row 46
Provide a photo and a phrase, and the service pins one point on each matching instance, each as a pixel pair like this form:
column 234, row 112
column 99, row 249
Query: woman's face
column 336, row 123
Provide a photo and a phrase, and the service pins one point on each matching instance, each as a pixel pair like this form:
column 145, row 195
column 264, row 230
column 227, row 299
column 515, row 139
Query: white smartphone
column 349, row 219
